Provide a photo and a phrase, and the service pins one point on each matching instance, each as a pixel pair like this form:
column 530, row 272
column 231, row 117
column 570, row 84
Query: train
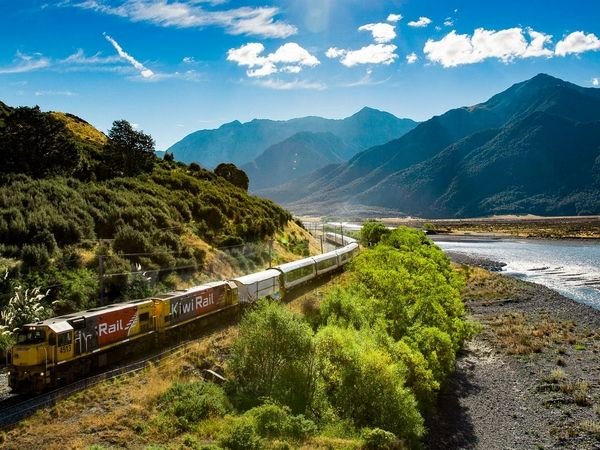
column 62, row 349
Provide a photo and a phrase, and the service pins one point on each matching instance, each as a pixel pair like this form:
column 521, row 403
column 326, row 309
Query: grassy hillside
column 106, row 218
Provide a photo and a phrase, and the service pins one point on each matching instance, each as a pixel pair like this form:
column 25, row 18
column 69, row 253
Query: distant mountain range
column 534, row 148
column 242, row 143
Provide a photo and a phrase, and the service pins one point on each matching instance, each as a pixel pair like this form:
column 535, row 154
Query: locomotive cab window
column 64, row 339
column 34, row 336
column 144, row 316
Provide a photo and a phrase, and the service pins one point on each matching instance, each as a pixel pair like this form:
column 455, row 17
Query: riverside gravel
column 496, row 400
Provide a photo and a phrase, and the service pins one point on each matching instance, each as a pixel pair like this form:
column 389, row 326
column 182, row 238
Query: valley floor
column 530, row 378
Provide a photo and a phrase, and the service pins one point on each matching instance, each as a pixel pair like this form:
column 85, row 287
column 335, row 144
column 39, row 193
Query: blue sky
column 175, row 66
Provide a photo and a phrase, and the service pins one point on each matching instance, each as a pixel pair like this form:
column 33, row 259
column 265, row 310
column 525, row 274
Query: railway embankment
column 529, row 378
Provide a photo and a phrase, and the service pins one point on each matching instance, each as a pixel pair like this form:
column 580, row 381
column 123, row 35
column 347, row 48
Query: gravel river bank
column 530, row 378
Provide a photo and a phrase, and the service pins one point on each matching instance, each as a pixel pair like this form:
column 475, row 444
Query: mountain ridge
column 387, row 176
column 241, row 143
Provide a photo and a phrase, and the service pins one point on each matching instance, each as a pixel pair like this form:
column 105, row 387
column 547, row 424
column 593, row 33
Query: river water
column 567, row 266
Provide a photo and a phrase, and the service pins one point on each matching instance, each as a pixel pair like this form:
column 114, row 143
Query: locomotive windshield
column 31, row 336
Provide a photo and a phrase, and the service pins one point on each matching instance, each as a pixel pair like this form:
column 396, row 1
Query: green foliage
column 378, row 439
column 231, row 173
column 372, row 232
column 363, row 382
column 36, row 144
column 128, row 152
column 25, row 306
column 185, row 404
column 241, row 434
column 273, row 357
column 275, row 421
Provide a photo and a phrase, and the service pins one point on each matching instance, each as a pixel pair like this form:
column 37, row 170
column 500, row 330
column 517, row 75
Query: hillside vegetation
column 75, row 203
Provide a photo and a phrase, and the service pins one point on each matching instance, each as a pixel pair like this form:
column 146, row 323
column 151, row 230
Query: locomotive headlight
column 41, row 374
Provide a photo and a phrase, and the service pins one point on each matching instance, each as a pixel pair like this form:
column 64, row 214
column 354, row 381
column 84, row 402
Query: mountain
column 242, row 143
column 298, row 155
column 532, row 148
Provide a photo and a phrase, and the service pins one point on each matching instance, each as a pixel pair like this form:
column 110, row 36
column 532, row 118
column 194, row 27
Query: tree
column 231, row 173
column 128, row 152
column 372, row 232
column 37, row 144
column 273, row 357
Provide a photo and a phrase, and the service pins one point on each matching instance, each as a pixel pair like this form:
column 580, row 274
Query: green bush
column 378, row 439
column 241, row 434
column 188, row 403
column 273, row 421
column 273, row 357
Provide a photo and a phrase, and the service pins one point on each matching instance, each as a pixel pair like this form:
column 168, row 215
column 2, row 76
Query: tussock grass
column 519, row 334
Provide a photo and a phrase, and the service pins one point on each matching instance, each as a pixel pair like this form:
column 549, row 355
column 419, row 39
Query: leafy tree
column 273, row 357
column 372, row 232
column 36, row 144
column 235, row 176
column 128, row 152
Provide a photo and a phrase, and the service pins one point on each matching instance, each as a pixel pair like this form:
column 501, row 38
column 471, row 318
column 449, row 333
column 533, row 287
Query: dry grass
column 579, row 391
column 81, row 129
column 482, row 285
column 519, row 334
column 591, row 427
column 117, row 413
column 556, row 376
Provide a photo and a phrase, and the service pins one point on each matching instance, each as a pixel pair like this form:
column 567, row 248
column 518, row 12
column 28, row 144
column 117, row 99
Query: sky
column 171, row 67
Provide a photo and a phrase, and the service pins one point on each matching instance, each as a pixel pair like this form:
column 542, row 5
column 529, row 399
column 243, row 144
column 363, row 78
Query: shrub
column 189, row 403
column 378, row 439
column 273, row 421
column 273, row 357
column 241, row 434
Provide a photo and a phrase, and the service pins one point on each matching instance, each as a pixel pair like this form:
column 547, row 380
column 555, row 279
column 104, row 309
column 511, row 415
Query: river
column 570, row 267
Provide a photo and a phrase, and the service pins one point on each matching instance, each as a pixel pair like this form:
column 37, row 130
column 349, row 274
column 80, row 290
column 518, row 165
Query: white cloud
column 26, row 63
column 79, row 58
column 449, row 22
column 394, row 18
column 289, row 58
column 188, row 60
column 55, row 93
column 259, row 21
column 143, row 70
column 371, row 54
column 335, row 52
column 577, row 42
column 456, row 49
column 421, row 23
column 412, row 58
column 290, row 85
column 596, row 81
column 382, row 32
